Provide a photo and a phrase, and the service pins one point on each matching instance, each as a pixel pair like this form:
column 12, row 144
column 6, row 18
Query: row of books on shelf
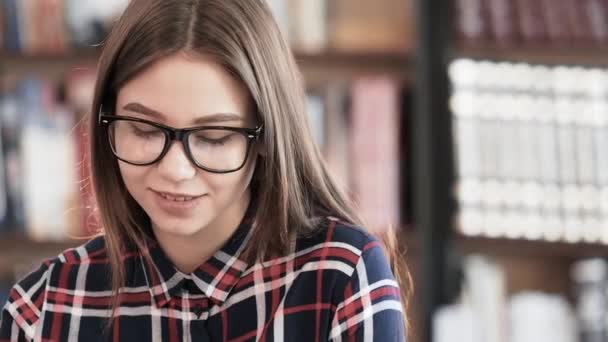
column 530, row 145
column 346, row 25
column 54, row 26
column 46, row 193
column 485, row 312
column 540, row 22
column 359, row 126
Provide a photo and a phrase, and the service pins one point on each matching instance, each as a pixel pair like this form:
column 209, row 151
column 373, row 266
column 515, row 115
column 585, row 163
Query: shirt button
column 190, row 286
column 198, row 310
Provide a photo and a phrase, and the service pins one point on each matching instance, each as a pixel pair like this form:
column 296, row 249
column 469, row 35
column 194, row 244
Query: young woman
column 220, row 220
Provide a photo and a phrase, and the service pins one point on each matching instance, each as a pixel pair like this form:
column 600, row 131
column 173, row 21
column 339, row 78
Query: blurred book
column 12, row 167
column 364, row 26
column 531, row 22
column 536, row 316
column 542, row 23
column 44, row 160
column 590, row 278
column 48, row 150
column 88, row 22
column 11, row 33
column 480, row 313
column 51, row 27
column 357, row 126
column 470, row 21
column 485, row 312
column 316, row 117
column 375, row 150
column 358, row 26
column 503, row 28
column 308, row 25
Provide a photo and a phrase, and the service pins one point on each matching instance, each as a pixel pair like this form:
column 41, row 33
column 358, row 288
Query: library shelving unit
column 528, row 264
column 432, row 166
column 317, row 69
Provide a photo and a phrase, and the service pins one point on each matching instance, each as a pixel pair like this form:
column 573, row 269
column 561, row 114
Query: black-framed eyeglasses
column 217, row 149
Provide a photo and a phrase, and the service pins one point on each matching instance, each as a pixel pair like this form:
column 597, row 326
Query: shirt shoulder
column 28, row 297
column 334, row 245
column 333, row 233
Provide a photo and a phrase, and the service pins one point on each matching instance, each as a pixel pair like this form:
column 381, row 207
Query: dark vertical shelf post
column 433, row 204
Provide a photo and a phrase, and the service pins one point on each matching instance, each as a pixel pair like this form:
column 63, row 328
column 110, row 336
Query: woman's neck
column 188, row 252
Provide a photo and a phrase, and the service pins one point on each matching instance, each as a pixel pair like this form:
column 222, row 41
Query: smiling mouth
column 176, row 197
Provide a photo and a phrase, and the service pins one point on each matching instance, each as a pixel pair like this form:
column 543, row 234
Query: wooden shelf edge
column 529, row 248
column 316, row 67
column 573, row 56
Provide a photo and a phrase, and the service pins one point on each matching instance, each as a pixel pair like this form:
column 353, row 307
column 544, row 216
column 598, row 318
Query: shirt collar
column 215, row 278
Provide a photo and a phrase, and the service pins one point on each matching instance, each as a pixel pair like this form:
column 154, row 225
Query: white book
column 308, row 20
column 456, row 322
column 566, row 134
column 316, row 116
column 590, row 277
column 468, row 161
column 50, row 182
column 486, row 289
column 535, row 316
column 549, row 170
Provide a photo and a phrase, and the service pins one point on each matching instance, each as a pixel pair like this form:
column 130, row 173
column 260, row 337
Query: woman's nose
column 175, row 165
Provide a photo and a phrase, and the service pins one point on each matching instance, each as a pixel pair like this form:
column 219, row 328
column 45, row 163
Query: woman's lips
column 177, row 204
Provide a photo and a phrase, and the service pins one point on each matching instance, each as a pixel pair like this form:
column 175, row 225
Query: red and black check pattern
column 336, row 285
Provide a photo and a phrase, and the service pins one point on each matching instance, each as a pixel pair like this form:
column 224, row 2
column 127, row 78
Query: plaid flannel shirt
column 334, row 286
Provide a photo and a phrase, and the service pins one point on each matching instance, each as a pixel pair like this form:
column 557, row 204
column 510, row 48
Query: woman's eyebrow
column 211, row 118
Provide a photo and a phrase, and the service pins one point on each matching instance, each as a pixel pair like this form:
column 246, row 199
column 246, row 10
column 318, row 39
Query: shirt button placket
column 198, row 310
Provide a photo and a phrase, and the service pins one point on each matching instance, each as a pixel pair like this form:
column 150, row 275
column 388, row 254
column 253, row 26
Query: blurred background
column 477, row 128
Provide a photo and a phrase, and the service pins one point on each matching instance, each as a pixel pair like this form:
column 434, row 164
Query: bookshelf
column 492, row 33
column 318, row 69
column 330, row 71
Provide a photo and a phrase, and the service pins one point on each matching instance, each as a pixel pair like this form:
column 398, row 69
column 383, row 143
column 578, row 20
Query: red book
column 375, row 151
column 531, row 22
column 503, row 26
column 558, row 26
column 595, row 13
column 471, row 22
column 578, row 22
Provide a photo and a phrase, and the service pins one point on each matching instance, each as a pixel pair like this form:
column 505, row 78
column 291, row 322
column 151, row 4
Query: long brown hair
column 243, row 37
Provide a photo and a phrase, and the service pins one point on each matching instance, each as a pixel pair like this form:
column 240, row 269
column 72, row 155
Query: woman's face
column 180, row 198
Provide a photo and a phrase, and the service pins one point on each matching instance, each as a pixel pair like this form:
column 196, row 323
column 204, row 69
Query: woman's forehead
column 185, row 90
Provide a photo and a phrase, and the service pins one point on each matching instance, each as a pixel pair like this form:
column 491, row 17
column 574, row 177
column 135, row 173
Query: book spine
column 12, row 35
column 471, row 22
column 502, row 18
column 375, row 108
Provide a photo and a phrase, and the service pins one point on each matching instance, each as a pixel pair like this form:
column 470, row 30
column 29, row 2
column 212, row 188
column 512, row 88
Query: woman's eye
column 213, row 138
column 145, row 131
